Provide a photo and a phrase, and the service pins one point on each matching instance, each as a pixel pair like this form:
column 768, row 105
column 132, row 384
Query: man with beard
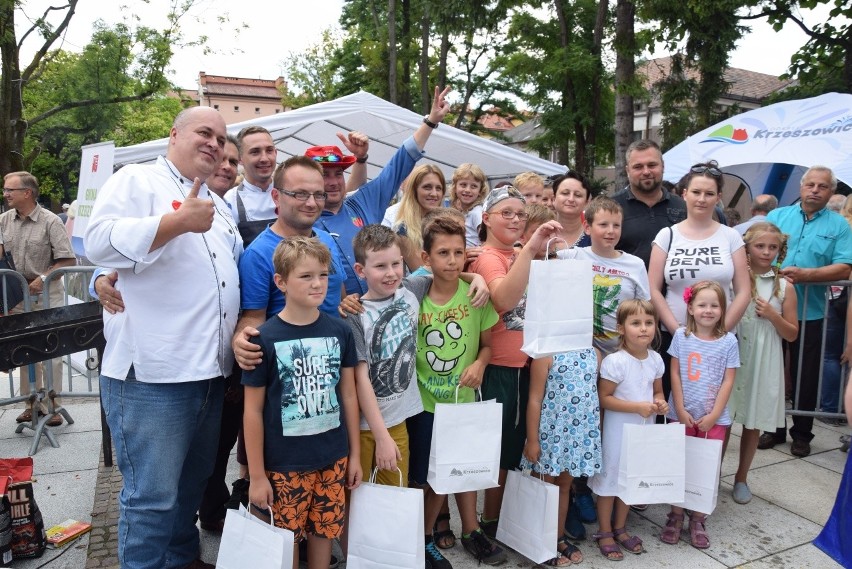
column 648, row 207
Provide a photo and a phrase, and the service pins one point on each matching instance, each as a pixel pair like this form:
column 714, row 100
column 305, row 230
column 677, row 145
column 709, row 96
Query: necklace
column 578, row 239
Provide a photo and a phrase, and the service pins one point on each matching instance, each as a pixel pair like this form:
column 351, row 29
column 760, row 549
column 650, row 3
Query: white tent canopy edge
column 386, row 124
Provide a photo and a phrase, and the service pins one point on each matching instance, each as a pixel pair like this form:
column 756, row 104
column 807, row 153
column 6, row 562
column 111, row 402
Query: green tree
column 627, row 84
column 362, row 58
column 555, row 66
column 702, row 33
column 312, row 76
column 123, row 63
column 824, row 63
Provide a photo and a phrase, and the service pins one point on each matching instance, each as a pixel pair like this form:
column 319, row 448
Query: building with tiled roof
column 238, row 98
column 494, row 120
column 746, row 89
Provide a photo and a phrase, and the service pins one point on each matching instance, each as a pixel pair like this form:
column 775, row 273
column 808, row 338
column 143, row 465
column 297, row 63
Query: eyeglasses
column 304, row 196
column 7, row 190
column 508, row 215
column 709, row 168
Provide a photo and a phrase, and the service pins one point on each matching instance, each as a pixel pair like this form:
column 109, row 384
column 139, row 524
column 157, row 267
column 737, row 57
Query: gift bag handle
column 249, row 515
column 477, row 391
column 666, row 421
column 547, row 246
column 372, row 479
column 532, row 472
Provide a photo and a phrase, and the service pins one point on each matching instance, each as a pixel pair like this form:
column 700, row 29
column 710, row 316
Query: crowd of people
column 306, row 319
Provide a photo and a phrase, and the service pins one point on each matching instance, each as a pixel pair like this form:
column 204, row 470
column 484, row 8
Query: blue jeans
column 835, row 331
column 165, row 438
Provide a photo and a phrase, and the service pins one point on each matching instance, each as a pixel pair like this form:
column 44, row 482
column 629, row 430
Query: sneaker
column 586, row 504
column 434, row 558
column 239, row 494
column 800, row 448
column 482, row 549
column 574, row 527
column 769, row 440
column 639, row 507
column 489, row 528
column 742, row 494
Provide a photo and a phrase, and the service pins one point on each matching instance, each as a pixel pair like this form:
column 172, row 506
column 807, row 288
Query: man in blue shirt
column 819, row 249
column 343, row 216
column 298, row 196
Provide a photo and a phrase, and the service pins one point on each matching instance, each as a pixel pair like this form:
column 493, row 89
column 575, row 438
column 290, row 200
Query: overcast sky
column 275, row 29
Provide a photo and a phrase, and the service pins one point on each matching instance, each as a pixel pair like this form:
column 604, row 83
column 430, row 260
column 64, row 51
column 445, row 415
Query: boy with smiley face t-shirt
column 447, row 343
column 453, row 346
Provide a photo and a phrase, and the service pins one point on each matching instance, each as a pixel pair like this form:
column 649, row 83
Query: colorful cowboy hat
column 329, row 157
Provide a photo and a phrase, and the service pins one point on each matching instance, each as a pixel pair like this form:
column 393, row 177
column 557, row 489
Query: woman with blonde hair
column 422, row 192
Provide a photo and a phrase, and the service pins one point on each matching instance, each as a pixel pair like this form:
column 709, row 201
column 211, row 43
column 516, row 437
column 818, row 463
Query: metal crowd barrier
column 29, row 336
column 796, row 366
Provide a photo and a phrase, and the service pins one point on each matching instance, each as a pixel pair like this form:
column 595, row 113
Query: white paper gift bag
column 250, row 542
column 558, row 315
column 529, row 516
column 651, row 467
column 465, row 453
column 385, row 527
column 703, row 465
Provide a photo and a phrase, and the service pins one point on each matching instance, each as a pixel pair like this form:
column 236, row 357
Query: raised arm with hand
column 358, row 144
column 437, row 114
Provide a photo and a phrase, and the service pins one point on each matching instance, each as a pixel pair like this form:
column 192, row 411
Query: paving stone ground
column 103, row 541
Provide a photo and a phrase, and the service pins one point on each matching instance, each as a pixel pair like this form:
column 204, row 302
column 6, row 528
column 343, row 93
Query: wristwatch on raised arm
column 429, row 123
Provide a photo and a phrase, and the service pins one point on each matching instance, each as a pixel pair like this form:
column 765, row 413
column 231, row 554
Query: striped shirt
column 702, row 368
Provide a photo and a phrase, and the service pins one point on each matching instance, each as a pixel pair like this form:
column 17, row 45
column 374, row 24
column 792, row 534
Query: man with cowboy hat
column 250, row 201
column 343, row 216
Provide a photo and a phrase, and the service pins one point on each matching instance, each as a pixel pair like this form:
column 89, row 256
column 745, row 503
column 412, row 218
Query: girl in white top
column 630, row 391
column 468, row 189
column 757, row 401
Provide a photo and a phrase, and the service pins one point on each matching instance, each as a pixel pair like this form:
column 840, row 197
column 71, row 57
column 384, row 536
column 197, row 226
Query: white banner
column 95, row 167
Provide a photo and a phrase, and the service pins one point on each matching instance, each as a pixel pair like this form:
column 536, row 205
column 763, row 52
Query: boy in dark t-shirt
column 301, row 408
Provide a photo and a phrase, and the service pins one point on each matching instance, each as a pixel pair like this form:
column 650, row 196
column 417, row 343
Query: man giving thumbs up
column 175, row 248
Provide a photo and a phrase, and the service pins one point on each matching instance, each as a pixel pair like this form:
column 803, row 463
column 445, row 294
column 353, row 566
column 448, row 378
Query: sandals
column 609, row 550
column 445, row 539
column 671, row 532
column 632, row 544
column 569, row 551
column 697, row 533
column 558, row 561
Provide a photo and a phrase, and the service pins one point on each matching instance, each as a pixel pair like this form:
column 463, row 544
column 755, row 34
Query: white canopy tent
column 767, row 150
column 386, row 124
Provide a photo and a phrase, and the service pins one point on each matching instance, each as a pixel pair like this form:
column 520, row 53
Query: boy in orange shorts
column 301, row 408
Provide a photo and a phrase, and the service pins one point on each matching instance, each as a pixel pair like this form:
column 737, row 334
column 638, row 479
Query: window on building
column 216, row 107
column 236, row 108
column 257, row 110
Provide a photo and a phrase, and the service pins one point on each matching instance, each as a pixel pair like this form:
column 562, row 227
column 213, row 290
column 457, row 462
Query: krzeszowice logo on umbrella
column 728, row 134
